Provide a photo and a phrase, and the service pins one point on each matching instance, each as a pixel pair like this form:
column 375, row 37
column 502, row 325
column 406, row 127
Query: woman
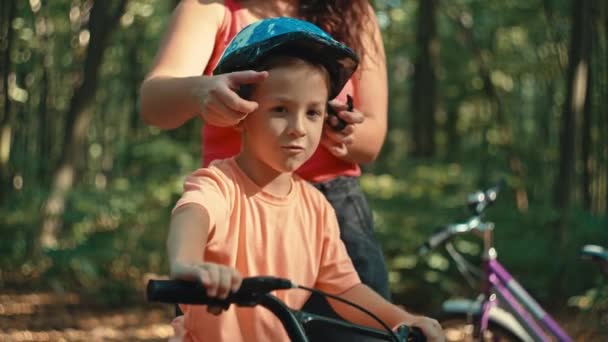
column 175, row 91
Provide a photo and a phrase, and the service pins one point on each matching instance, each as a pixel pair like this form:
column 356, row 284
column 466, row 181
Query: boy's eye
column 314, row 113
column 279, row 109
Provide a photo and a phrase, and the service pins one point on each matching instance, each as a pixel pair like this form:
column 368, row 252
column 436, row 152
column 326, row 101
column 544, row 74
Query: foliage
column 129, row 175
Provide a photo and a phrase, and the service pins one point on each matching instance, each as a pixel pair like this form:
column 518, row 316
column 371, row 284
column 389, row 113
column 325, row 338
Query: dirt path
column 50, row 317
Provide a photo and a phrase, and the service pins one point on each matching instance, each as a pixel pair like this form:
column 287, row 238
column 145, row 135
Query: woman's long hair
column 342, row 19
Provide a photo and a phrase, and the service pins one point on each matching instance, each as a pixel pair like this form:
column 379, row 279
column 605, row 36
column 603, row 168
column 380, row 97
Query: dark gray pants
column 356, row 230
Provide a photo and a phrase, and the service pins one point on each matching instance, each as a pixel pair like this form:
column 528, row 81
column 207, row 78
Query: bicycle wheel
column 459, row 328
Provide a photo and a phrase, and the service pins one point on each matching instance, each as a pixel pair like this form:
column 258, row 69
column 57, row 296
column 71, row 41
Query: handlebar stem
column 294, row 330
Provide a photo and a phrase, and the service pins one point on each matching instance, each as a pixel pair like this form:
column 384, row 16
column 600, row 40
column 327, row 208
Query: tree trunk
column 576, row 94
column 44, row 150
column 44, row 124
column 424, row 93
column 451, row 127
column 103, row 20
column 6, row 121
column 586, row 155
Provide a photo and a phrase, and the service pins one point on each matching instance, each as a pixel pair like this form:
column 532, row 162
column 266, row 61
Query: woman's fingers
column 237, row 78
column 337, row 142
column 338, row 106
column 352, row 117
column 234, row 102
column 337, row 149
column 345, row 136
column 222, row 115
column 220, row 104
column 234, row 82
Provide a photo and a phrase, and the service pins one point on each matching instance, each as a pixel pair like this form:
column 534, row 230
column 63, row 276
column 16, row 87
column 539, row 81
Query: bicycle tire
column 458, row 327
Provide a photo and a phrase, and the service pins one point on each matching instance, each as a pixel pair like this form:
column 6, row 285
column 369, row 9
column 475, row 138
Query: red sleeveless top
column 225, row 142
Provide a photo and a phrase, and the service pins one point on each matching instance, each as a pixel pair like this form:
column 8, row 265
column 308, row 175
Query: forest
column 481, row 91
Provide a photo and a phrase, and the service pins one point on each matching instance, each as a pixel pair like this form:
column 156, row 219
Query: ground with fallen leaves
column 52, row 317
column 45, row 316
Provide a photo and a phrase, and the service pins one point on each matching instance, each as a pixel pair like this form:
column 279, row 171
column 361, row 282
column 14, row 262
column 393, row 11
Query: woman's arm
column 392, row 315
column 371, row 102
column 372, row 97
column 167, row 94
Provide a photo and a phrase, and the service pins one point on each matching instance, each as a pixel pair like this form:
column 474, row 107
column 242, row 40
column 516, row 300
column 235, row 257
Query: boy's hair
column 284, row 59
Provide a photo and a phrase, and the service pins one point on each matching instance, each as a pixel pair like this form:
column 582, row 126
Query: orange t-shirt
column 294, row 237
column 225, row 142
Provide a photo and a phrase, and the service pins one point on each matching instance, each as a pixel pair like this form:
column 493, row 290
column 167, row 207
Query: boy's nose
column 296, row 125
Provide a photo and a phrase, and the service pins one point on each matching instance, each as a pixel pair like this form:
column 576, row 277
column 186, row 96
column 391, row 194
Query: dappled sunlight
column 81, row 238
column 152, row 332
column 52, row 317
column 11, row 305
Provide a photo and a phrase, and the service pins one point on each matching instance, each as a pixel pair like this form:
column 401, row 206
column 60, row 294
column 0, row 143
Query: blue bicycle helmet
column 294, row 37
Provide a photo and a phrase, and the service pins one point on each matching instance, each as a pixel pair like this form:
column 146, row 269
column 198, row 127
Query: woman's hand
column 218, row 280
column 337, row 142
column 219, row 103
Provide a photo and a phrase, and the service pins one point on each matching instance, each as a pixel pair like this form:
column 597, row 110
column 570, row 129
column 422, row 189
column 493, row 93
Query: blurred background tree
column 479, row 91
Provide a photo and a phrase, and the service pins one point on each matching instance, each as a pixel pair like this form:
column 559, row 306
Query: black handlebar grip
column 410, row 334
column 190, row 292
column 178, row 291
column 416, row 335
column 439, row 237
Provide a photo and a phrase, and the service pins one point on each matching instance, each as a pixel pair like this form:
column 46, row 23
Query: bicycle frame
column 497, row 280
column 518, row 312
column 295, row 321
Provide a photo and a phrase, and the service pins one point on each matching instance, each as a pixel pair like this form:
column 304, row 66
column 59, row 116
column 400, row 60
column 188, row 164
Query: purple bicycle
column 503, row 311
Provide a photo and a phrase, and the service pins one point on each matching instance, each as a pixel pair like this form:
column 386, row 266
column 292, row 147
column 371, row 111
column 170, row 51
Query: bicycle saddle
column 595, row 252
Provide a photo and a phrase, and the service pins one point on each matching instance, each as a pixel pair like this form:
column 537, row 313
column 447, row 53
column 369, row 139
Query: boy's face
column 286, row 128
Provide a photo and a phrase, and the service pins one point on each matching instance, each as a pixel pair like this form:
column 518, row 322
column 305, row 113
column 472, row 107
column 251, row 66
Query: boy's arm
column 392, row 315
column 188, row 234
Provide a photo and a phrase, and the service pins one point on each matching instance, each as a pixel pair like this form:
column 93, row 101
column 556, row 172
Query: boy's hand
column 218, row 280
column 430, row 328
column 219, row 103
column 337, row 142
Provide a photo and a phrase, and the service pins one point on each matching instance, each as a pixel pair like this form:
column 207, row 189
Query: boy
column 250, row 215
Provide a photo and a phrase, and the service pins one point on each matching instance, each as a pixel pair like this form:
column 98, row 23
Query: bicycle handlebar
column 439, row 237
column 189, row 292
column 255, row 291
column 477, row 203
column 480, row 200
column 446, row 232
column 597, row 254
